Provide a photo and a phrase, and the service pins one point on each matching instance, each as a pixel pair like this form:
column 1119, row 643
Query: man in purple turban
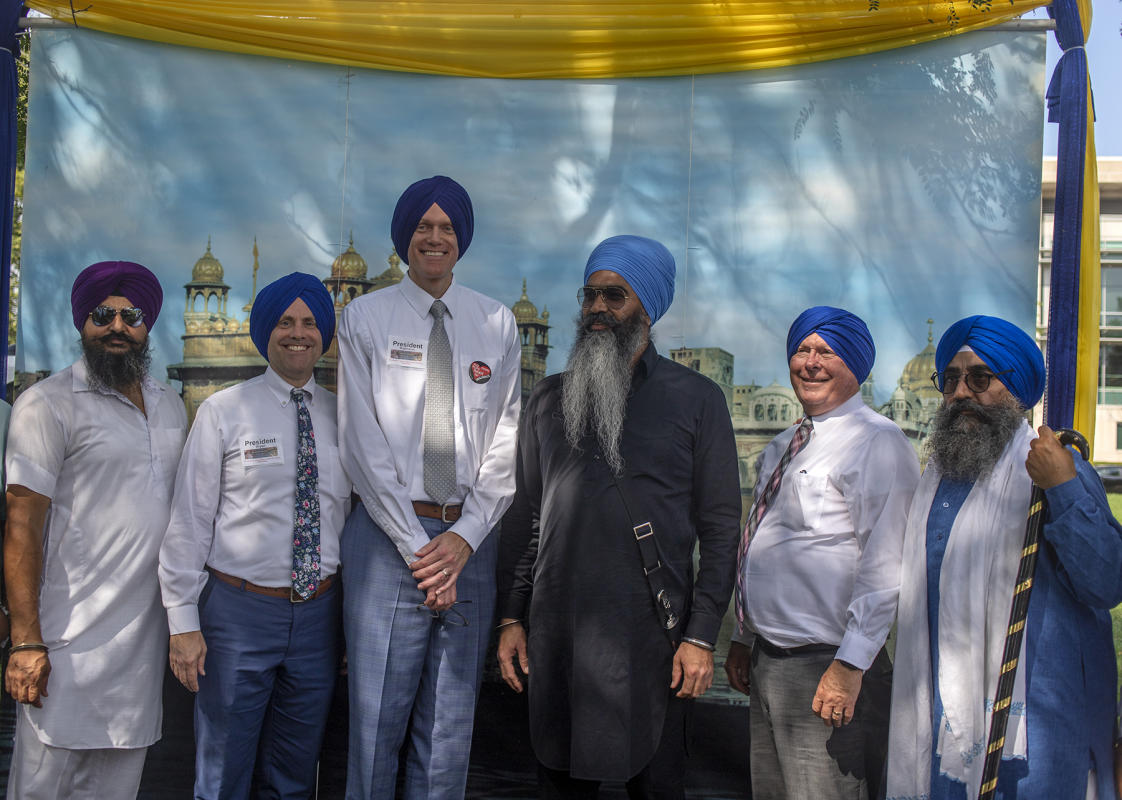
column 626, row 462
column 97, row 444
column 428, row 411
column 962, row 550
column 249, row 564
column 818, row 574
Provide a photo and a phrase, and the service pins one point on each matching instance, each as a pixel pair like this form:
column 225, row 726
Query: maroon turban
column 122, row 278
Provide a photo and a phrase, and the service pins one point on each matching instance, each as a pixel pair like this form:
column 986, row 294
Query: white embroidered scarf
column 975, row 590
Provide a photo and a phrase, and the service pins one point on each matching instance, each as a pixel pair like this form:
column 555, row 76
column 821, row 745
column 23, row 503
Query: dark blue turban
column 122, row 278
column 1002, row 346
column 646, row 265
column 272, row 301
column 417, row 199
column 846, row 333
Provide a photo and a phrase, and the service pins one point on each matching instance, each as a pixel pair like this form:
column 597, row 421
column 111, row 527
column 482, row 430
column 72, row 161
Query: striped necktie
column 305, row 523
column 759, row 508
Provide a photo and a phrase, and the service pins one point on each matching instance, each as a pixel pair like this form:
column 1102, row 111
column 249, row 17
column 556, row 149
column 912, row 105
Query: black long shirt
column 569, row 564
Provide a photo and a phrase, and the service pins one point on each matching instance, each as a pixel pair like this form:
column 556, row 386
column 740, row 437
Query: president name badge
column 405, row 351
column 262, row 450
column 480, row 372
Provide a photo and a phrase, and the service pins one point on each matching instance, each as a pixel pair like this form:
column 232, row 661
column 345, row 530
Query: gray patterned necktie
column 440, row 431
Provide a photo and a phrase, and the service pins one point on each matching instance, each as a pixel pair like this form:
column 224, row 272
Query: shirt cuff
column 183, row 619
column 1063, row 496
column 857, row 650
column 470, row 529
column 23, row 472
column 748, row 638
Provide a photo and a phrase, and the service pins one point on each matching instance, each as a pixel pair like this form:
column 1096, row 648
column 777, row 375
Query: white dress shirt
column 108, row 470
column 383, row 341
column 236, row 490
column 824, row 565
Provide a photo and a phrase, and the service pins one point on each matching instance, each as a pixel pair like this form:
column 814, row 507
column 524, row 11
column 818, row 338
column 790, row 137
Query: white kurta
column 108, row 470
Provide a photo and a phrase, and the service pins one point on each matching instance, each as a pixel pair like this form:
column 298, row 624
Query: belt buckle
column 295, row 598
column 444, row 513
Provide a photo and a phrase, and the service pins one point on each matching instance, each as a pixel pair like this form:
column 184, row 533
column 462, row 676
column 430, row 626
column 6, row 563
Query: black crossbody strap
column 652, row 568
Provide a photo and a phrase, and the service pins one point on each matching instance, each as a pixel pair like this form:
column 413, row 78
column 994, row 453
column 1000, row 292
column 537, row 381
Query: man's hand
column 1049, row 463
column 737, row 666
column 26, row 678
column 187, row 654
column 437, row 566
column 512, row 643
column 693, row 668
column 836, row 696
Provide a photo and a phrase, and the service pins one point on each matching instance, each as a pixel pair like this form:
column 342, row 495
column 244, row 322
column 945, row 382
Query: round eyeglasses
column 977, row 380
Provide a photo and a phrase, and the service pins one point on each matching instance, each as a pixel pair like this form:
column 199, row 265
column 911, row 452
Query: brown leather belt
column 271, row 591
column 444, row 513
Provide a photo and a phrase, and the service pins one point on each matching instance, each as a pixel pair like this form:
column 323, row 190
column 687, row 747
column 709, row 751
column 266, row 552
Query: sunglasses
column 614, row 296
column 104, row 315
column 977, row 380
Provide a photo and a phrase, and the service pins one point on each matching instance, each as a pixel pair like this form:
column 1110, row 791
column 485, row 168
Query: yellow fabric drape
column 542, row 38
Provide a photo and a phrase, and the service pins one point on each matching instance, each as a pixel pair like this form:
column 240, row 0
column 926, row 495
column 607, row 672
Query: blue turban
column 272, row 301
column 122, row 278
column 1002, row 346
column 646, row 265
column 846, row 333
column 417, row 199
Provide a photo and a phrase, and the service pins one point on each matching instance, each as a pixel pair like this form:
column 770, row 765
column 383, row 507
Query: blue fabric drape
column 10, row 12
column 1067, row 104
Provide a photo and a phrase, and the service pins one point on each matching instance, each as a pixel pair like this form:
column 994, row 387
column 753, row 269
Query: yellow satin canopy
column 542, row 38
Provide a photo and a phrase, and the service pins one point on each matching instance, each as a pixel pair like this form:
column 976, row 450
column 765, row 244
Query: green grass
column 1116, row 614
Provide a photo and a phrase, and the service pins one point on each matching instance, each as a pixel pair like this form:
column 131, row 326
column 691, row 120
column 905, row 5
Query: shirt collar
column 848, row 407
column 282, row 389
column 421, row 301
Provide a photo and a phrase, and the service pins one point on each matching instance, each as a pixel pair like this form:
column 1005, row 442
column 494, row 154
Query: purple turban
column 846, row 333
column 272, row 301
column 645, row 264
column 417, row 199
column 1002, row 346
column 122, row 278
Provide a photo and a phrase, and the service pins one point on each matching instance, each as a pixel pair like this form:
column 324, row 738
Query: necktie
column 305, row 524
column 759, row 508
column 440, row 432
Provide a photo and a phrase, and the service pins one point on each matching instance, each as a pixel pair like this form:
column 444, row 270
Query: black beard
column 597, row 380
column 967, row 448
column 117, row 371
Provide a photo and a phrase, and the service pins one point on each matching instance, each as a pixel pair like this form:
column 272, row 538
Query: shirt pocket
column 810, row 493
column 167, row 445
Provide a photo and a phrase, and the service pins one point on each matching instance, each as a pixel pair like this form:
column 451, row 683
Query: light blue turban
column 418, row 198
column 272, row 301
column 846, row 333
column 646, row 265
column 1002, row 346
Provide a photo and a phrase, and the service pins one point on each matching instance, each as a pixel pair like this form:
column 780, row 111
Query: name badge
column 405, row 351
column 261, row 451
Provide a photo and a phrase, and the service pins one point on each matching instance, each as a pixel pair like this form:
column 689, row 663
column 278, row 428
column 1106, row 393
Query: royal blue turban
column 417, row 199
column 846, row 333
column 1002, row 346
column 122, row 278
column 272, row 301
column 645, row 264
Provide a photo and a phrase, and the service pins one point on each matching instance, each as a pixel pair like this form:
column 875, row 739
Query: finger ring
column 445, row 572
column 837, row 713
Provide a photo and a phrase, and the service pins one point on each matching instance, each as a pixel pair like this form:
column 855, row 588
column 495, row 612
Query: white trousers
column 42, row 772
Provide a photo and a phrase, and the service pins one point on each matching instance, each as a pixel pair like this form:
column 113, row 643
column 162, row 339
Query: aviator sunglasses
column 614, row 296
column 104, row 315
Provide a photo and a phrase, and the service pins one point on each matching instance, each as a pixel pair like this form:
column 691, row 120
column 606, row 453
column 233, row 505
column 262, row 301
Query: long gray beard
column 597, row 380
column 116, row 371
column 967, row 448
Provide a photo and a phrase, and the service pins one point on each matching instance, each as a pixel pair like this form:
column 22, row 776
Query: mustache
column 964, row 405
column 598, row 318
column 114, row 338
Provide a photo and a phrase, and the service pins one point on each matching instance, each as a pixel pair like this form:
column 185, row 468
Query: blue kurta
column 1069, row 648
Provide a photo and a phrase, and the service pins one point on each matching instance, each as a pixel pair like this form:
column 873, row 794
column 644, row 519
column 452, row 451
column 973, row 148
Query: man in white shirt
column 428, row 398
column 248, row 565
column 91, row 458
column 819, row 574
